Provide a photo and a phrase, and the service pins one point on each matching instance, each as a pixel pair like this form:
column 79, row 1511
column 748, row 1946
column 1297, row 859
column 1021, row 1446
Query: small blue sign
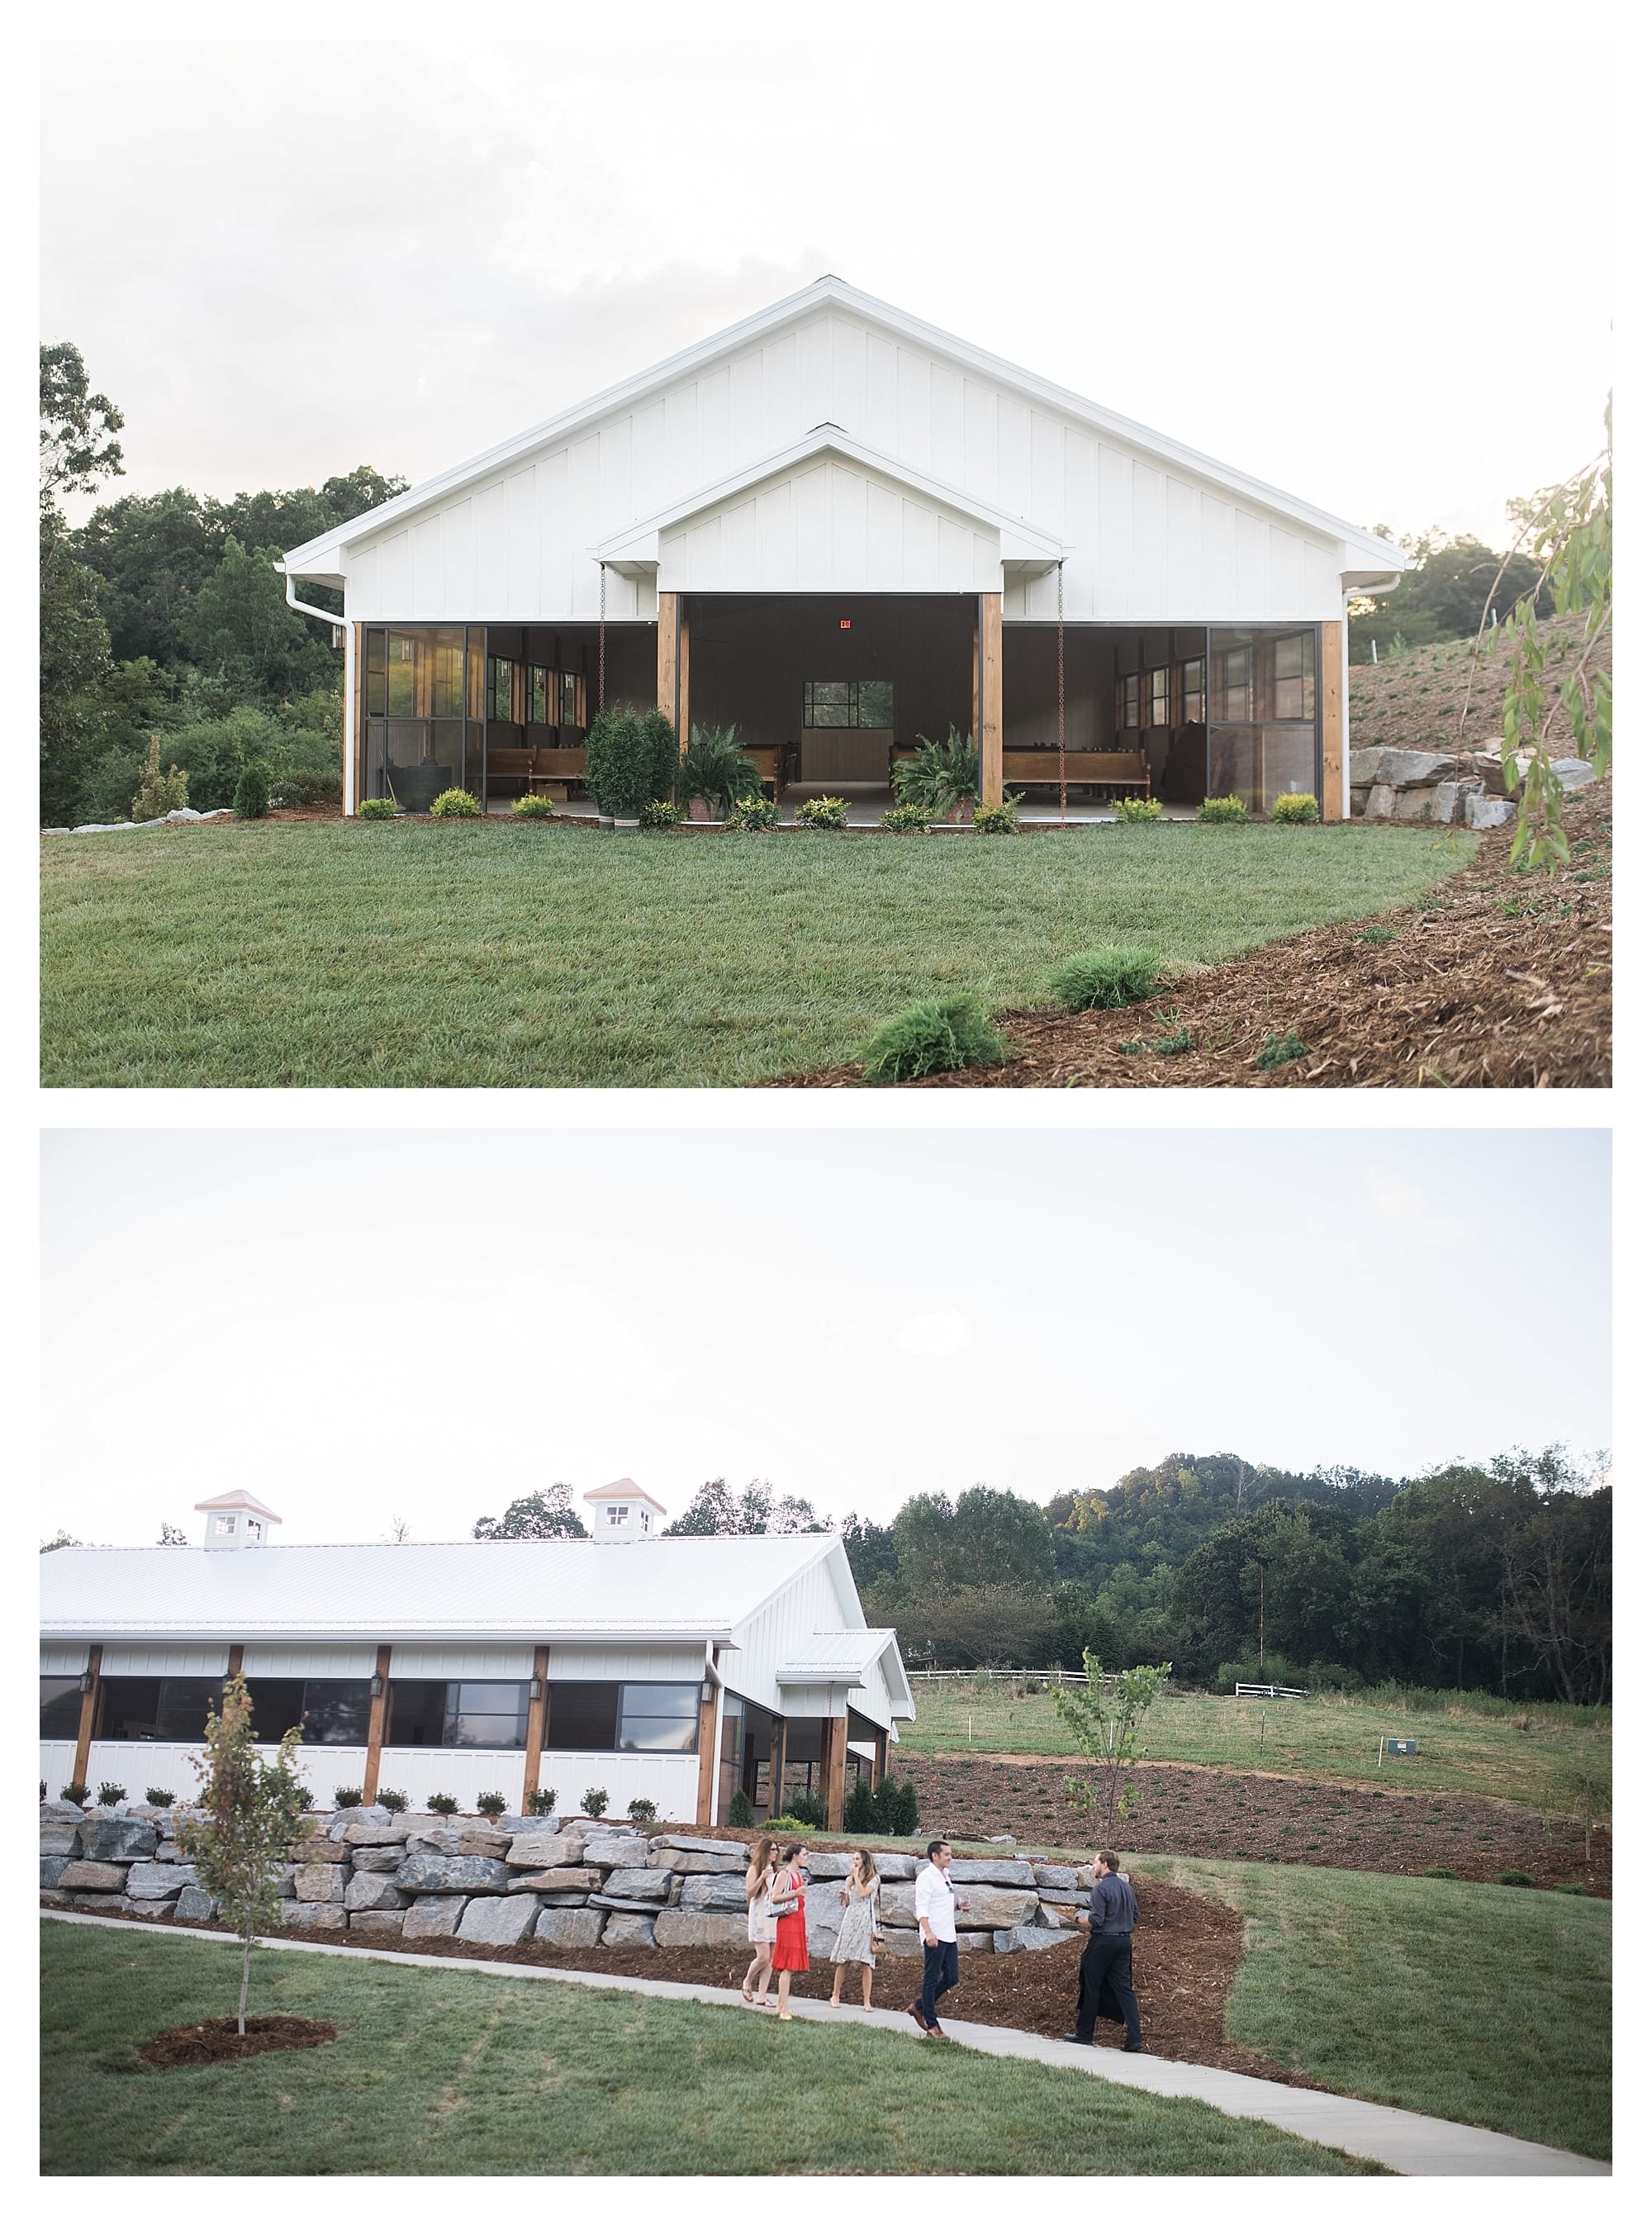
column 1399, row 1746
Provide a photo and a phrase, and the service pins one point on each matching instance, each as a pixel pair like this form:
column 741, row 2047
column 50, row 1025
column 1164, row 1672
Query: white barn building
column 672, row 1669
column 840, row 528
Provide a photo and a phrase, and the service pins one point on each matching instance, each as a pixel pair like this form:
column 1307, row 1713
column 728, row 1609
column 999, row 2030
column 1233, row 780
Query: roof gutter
column 303, row 608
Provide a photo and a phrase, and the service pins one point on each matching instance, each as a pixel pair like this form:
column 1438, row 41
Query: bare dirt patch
column 218, row 2039
column 1417, row 699
column 1498, row 977
column 1235, row 1816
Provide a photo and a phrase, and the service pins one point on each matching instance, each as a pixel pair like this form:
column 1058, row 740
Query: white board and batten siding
column 646, row 1665
column 453, row 1664
column 168, row 1661
column 64, row 1661
column 781, row 1632
column 267, row 1661
column 670, row 1780
column 1148, row 540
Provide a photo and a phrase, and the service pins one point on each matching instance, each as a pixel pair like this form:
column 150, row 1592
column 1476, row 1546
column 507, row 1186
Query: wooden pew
column 1085, row 765
column 509, row 768
column 770, row 763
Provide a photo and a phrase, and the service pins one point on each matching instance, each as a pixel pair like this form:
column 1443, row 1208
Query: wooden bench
column 509, row 766
column 1086, row 765
column 558, row 766
column 770, row 763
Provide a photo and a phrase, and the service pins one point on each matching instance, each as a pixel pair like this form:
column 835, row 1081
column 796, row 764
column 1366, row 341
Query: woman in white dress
column 859, row 1932
column 760, row 1870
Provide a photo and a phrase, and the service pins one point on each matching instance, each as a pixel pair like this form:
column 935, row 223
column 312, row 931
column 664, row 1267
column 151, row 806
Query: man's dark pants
column 1104, row 1988
column 940, row 1976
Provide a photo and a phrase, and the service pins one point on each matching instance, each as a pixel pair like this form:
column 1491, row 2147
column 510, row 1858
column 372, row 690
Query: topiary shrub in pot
column 715, row 773
column 627, row 760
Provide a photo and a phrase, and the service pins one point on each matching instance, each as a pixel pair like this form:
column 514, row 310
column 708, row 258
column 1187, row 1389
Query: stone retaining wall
column 1405, row 784
column 567, row 1881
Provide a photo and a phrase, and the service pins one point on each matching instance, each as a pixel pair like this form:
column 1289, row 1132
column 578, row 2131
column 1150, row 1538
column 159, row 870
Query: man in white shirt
column 937, row 1919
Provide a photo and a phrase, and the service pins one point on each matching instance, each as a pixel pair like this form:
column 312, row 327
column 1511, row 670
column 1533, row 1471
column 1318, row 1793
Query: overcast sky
column 1301, row 255
column 362, row 1324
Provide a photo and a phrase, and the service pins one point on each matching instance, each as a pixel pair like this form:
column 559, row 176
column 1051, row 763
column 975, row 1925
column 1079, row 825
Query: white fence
column 1270, row 1692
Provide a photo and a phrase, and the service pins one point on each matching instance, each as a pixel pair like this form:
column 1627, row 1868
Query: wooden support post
column 989, row 729
column 538, row 1711
column 776, row 1762
column 666, row 660
column 836, row 1752
column 1333, row 721
column 237, row 1656
column 706, row 1798
column 684, row 636
column 377, row 1709
column 880, row 1755
column 88, row 1712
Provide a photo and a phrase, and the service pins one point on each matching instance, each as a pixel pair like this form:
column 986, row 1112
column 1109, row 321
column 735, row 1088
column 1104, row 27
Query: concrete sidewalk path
column 1413, row 2145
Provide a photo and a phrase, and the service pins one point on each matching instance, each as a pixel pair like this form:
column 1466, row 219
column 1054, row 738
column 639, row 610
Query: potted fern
column 943, row 777
column 716, row 773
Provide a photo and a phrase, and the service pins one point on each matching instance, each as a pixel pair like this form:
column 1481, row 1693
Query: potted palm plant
column 943, row 777
column 715, row 773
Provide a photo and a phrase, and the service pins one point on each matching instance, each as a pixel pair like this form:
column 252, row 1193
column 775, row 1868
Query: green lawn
column 436, row 2072
column 500, row 953
column 1508, row 1754
column 1488, row 2006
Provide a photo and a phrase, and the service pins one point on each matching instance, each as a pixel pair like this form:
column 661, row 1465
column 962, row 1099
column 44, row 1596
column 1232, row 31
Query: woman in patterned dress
column 763, row 1861
column 791, row 1926
column 859, row 1928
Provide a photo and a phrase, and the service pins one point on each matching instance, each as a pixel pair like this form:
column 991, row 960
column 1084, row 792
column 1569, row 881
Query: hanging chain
column 602, row 637
column 1061, row 678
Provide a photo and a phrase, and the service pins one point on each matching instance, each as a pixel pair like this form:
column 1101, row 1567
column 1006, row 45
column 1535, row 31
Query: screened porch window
column 1294, row 676
column 1159, row 695
column 60, row 1707
column 659, row 1719
column 499, row 688
column 1129, row 703
column 173, row 1708
column 329, row 1711
column 848, row 704
column 1234, row 667
column 539, row 686
column 460, row 1713
column 1193, row 690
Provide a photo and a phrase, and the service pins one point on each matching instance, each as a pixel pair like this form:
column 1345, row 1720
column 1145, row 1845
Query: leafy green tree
column 976, row 1627
column 74, row 671
column 871, row 1550
column 1444, row 595
column 1104, row 1717
column 77, row 444
column 991, row 1538
column 250, row 1808
column 1083, row 1622
column 715, row 1511
column 547, row 1514
column 239, row 624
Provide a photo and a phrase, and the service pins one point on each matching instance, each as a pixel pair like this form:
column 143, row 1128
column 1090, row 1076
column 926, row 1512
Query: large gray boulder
column 377, row 1858
column 543, row 1851
column 492, row 1923
column 159, row 1881
column 827, row 1865
column 390, row 1833
column 1486, row 815
column 81, row 1875
column 451, row 1873
column 59, row 1839
column 692, row 1865
column 617, row 1853
column 483, row 1839
column 895, row 1866
column 61, row 1812
column 725, row 1892
column 641, row 1885
column 687, row 1927
column 569, row 1927
column 373, row 1889
column 1017, row 1871
column 116, row 1839
column 316, row 1881
column 1059, row 1877
column 1400, row 767
column 386, row 1921
column 688, row 1844
column 909, row 1944
column 628, row 1932
column 519, row 1824
column 52, row 1867
column 436, row 1917
column 1379, row 804
column 314, row 1915
column 823, row 1914
column 1031, row 1938
column 995, row 1907
column 897, row 1907
column 196, row 1905
column 148, row 1909
column 557, row 1880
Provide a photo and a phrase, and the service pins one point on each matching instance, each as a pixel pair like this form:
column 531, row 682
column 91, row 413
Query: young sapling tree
column 1104, row 1717
column 247, row 1809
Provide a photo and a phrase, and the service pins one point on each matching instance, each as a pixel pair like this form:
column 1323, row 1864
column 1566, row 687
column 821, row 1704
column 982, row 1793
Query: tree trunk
column 246, row 1971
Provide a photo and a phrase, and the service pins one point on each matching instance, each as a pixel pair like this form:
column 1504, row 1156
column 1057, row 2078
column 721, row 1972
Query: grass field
column 1488, row 2006
column 504, row 954
column 1518, row 1755
column 438, row 2073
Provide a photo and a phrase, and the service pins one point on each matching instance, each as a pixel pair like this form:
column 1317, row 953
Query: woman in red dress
column 791, row 1925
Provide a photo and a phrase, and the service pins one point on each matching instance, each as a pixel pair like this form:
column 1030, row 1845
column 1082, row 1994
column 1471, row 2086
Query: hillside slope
column 1415, row 698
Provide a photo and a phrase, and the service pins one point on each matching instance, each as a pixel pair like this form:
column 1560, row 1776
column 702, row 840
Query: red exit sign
column 845, row 623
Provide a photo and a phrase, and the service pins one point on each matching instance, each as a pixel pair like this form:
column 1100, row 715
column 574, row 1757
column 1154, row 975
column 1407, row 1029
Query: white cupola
column 237, row 1519
column 623, row 1510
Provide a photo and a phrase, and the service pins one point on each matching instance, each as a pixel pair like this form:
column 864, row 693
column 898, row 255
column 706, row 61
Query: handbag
column 789, row 1906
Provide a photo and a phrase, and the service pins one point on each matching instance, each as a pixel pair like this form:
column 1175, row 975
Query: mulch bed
column 1493, row 978
column 1232, row 1816
column 218, row 2039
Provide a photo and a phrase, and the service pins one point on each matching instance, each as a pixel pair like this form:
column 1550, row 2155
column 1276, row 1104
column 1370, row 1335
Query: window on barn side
column 854, row 704
column 581, row 1715
column 1293, row 674
column 659, row 1719
column 60, row 1707
column 171, row 1708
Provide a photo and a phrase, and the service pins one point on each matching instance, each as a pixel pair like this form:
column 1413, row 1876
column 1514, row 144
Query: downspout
column 716, row 1675
column 348, row 632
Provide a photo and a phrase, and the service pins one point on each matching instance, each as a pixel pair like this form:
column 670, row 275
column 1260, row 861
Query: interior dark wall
column 749, row 656
column 1029, row 685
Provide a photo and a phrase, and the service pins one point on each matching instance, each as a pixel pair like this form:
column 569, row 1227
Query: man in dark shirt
column 1104, row 1986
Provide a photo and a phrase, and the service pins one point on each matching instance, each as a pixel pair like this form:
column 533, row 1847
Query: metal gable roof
column 825, row 291
column 845, row 1658
column 654, row 1590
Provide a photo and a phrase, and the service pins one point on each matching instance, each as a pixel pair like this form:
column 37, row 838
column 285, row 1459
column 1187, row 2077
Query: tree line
column 162, row 614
